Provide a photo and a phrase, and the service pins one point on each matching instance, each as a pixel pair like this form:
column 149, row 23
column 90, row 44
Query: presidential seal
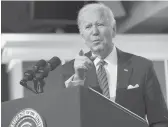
column 27, row 118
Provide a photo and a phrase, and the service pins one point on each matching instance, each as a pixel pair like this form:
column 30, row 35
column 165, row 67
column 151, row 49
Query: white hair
column 96, row 6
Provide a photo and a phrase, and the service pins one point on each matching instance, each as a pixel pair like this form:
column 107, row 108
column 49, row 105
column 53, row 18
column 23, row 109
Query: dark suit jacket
column 146, row 99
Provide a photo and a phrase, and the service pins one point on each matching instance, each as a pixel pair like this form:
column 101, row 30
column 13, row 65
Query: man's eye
column 100, row 24
column 88, row 26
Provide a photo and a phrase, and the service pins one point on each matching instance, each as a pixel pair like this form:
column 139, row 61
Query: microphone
column 42, row 73
column 28, row 75
column 38, row 65
column 40, row 70
column 51, row 65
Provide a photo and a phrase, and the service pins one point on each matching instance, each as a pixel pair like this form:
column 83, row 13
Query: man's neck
column 103, row 54
column 111, row 58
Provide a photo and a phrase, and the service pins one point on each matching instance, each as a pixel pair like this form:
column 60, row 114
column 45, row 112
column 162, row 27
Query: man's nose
column 95, row 31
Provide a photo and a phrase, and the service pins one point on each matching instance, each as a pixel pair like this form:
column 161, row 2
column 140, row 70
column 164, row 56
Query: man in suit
column 125, row 78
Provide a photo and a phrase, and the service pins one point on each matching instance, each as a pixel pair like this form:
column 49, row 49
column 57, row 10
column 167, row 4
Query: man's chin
column 97, row 50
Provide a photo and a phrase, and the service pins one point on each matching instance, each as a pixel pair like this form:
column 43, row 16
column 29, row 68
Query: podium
column 73, row 107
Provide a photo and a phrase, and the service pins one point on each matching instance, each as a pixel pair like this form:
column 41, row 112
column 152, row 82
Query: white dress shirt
column 111, row 70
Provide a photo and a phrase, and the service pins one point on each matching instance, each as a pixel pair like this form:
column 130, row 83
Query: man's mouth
column 96, row 41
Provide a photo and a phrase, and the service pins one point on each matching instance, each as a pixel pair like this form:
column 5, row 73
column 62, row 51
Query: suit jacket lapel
column 124, row 70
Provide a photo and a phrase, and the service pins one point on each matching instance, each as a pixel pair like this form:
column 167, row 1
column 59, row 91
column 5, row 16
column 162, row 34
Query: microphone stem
column 32, row 90
column 26, row 86
column 38, row 85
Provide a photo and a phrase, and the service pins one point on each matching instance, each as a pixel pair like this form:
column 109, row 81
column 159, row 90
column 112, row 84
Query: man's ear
column 114, row 30
column 81, row 34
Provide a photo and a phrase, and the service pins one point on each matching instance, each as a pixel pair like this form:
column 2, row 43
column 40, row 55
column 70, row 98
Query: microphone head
column 43, row 73
column 28, row 75
column 40, row 63
column 54, row 62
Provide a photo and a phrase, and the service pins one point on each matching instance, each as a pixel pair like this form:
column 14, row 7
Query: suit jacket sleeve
column 156, row 108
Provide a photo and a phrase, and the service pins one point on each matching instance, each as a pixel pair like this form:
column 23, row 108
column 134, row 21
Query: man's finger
column 89, row 65
column 81, row 53
column 93, row 57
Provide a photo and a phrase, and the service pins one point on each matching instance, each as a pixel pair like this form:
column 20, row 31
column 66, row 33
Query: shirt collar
column 111, row 58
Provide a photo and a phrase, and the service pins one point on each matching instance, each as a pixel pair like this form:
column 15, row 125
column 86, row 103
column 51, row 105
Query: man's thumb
column 81, row 53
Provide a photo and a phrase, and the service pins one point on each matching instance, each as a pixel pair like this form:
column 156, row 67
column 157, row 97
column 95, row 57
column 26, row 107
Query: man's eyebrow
column 87, row 23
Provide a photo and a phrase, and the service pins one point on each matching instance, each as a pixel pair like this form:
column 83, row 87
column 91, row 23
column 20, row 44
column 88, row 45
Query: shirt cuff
column 70, row 82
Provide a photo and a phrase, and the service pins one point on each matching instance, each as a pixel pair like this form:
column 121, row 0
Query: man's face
column 96, row 30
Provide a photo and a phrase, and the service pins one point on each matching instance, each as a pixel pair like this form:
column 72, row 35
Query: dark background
column 51, row 16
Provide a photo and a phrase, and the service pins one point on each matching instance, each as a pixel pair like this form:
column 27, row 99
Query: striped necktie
column 102, row 79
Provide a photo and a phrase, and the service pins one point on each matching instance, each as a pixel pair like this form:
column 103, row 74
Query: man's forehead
column 93, row 11
column 90, row 15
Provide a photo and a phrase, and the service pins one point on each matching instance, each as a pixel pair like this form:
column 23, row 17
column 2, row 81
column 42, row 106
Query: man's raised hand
column 81, row 65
